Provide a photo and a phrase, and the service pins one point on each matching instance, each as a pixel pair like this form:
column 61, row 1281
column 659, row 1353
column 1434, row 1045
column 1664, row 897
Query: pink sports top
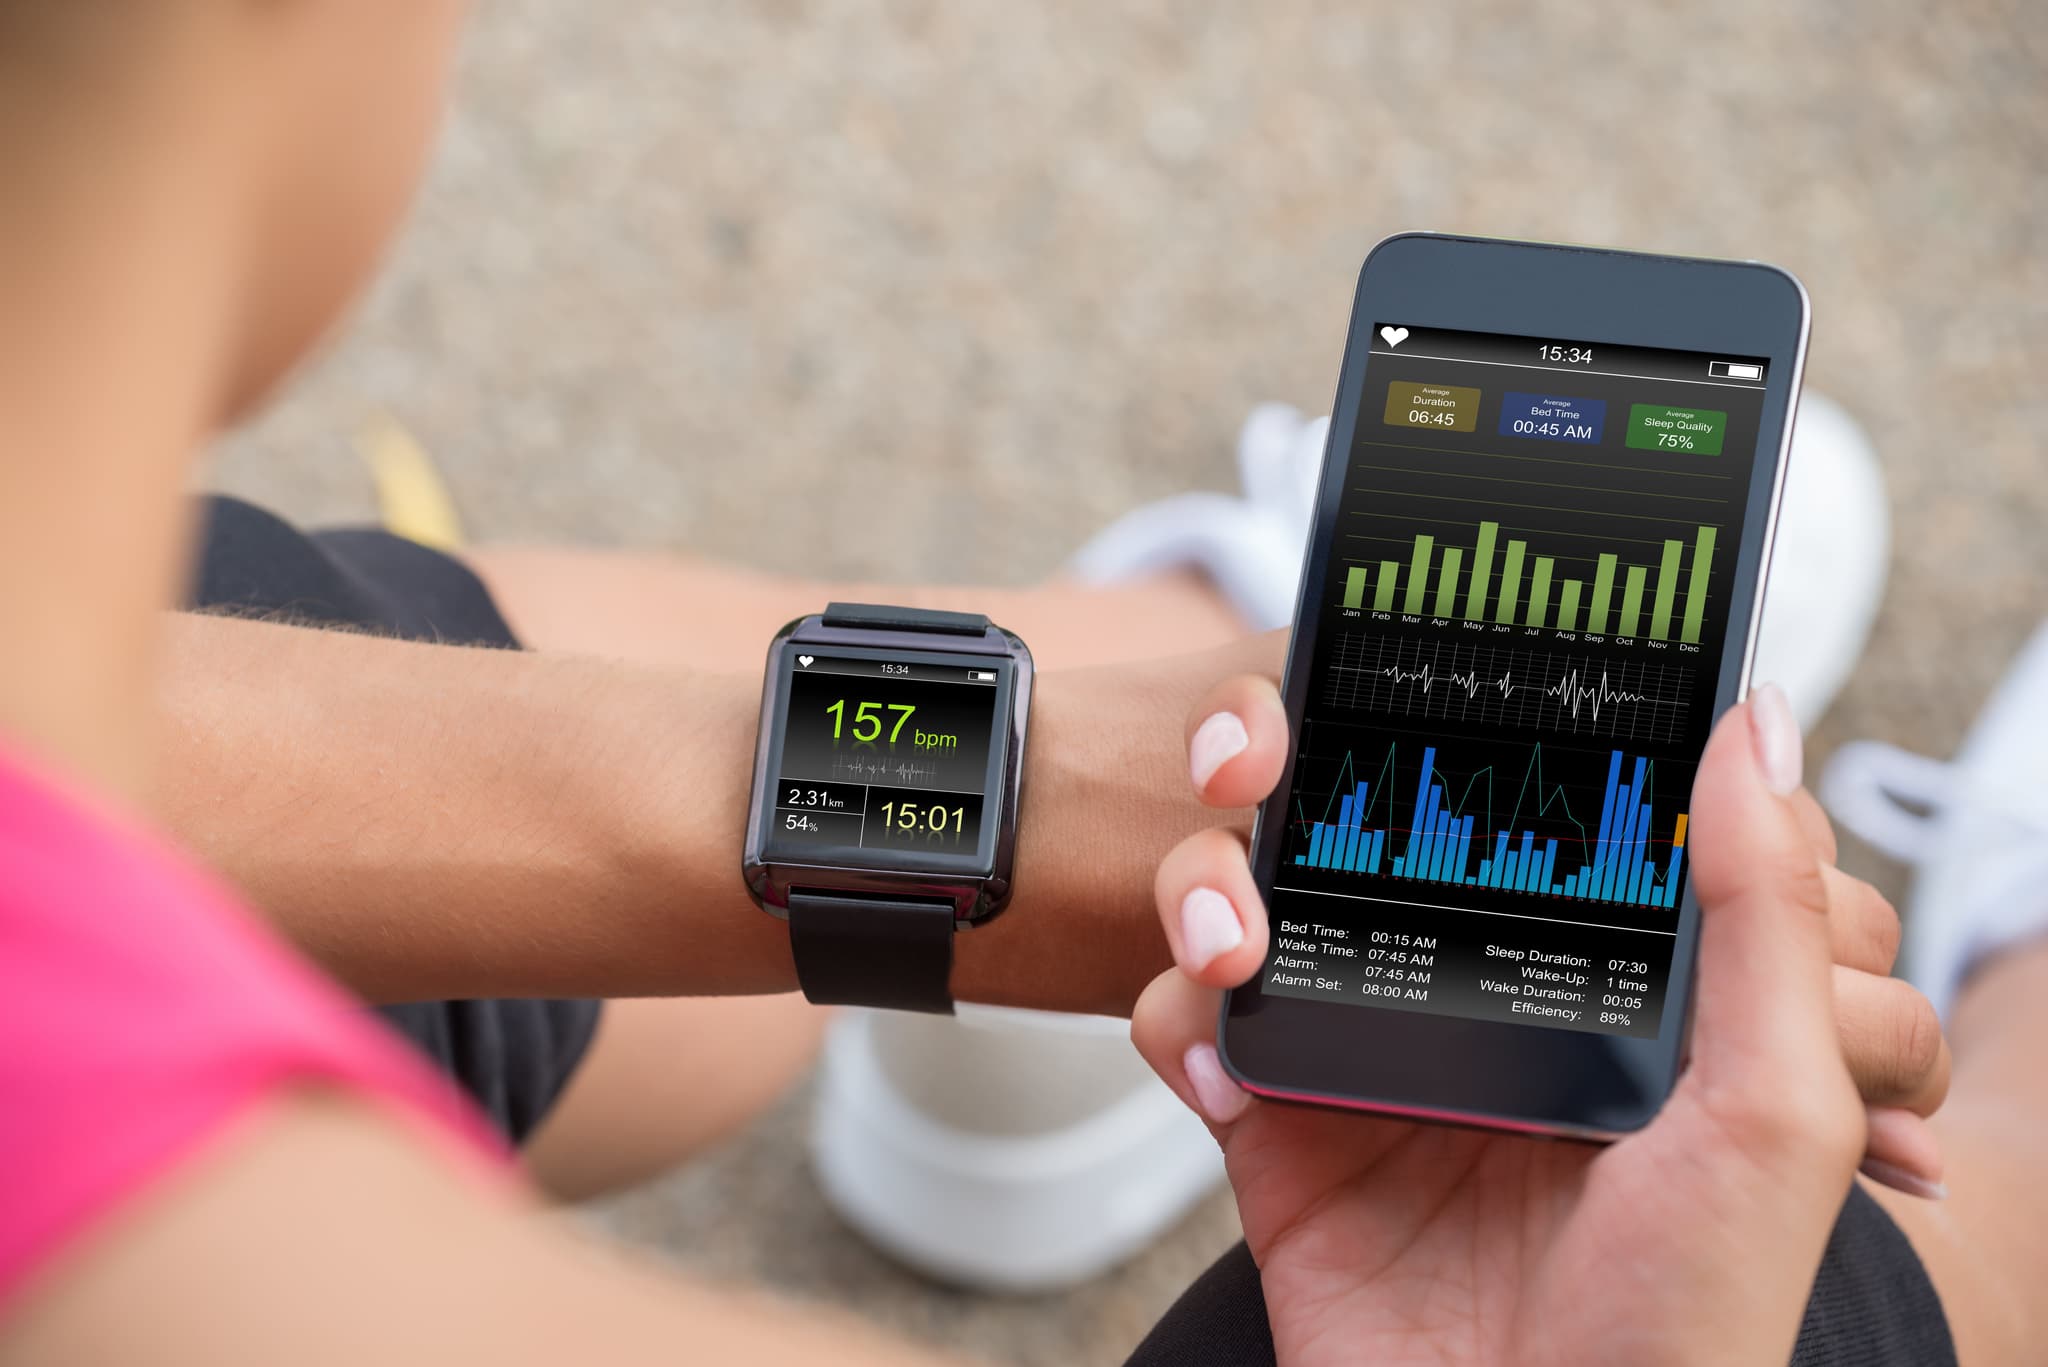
column 142, row 1010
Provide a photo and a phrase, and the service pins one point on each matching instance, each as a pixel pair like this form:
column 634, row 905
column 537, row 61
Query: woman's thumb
column 1764, row 1007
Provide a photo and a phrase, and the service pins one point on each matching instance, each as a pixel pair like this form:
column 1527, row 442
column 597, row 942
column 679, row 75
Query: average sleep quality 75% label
column 1662, row 427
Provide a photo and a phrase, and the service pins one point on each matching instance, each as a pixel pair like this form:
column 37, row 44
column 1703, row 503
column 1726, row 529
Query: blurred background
column 932, row 291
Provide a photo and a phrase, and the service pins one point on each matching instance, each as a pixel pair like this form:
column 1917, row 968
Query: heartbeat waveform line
column 1574, row 694
column 1503, row 684
column 868, row 770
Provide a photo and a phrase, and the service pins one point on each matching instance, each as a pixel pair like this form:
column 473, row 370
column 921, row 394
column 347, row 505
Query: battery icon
column 982, row 675
column 1734, row 370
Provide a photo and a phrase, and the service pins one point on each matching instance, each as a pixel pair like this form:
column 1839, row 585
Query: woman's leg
column 1984, row 1245
column 664, row 1079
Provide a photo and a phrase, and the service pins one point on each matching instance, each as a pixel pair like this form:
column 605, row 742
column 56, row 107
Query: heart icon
column 804, row 660
column 1394, row 336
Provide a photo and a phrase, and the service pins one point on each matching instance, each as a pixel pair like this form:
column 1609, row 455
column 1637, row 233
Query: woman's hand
column 1698, row 1237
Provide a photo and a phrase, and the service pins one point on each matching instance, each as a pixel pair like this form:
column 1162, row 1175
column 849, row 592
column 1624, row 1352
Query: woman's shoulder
column 142, row 1009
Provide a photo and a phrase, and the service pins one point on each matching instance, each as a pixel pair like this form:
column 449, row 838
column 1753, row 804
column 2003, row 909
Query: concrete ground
column 932, row 290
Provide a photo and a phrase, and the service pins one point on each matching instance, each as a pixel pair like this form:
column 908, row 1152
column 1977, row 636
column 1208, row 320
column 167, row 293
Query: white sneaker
column 1827, row 572
column 1974, row 826
column 1008, row 1151
column 1251, row 544
column 1828, row 565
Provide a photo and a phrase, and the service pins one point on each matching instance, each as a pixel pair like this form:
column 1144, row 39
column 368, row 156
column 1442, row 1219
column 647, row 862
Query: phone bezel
column 1487, row 1073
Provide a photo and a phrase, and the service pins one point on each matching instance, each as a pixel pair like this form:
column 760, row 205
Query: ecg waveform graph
column 859, row 768
column 1638, row 700
column 1615, row 862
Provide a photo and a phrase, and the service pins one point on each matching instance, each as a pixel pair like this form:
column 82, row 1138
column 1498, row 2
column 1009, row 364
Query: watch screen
column 885, row 754
column 1513, row 676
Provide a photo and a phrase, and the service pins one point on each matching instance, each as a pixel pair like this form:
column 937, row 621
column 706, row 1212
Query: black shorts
column 1872, row 1304
column 513, row 1057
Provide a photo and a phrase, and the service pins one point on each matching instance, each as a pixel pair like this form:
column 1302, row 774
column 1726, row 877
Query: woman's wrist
column 1106, row 795
column 684, row 924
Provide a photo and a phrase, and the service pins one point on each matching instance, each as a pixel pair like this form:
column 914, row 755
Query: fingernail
column 1217, row 741
column 1898, row 1179
column 1776, row 733
column 1221, row 1099
column 1208, row 928
column 1900, row 1143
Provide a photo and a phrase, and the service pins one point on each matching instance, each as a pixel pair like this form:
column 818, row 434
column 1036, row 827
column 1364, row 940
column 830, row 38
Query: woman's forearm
column 434, row 822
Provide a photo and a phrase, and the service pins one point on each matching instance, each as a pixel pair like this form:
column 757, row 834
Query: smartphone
column 1532, row 585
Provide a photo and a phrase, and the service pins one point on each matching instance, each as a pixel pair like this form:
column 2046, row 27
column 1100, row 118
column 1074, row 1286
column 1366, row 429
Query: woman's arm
column 323, row 1231
column 431, row 822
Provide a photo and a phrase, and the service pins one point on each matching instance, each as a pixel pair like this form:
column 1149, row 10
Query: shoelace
column 1279, row 460
column 1906, row 804
column 1250, row 545
column 1891, row 798
column 1900, row 803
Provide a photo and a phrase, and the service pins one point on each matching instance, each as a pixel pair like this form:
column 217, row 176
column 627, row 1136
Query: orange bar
column 1678, row 836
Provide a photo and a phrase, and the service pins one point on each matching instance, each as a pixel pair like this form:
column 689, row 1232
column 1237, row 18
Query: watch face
column 887, row 760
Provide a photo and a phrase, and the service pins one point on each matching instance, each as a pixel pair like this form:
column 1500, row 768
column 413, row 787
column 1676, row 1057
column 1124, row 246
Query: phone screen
column 1513, row 677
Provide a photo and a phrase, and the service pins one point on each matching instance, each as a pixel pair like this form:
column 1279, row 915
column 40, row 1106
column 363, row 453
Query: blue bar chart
column 1615, row 861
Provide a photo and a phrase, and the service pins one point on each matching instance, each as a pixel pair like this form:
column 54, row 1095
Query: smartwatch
column 887, row 774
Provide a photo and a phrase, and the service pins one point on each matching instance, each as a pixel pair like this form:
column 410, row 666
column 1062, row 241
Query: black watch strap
column 875, row 617
column 873, row 951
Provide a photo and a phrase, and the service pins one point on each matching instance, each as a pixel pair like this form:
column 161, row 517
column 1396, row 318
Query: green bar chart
column 1530, row 582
